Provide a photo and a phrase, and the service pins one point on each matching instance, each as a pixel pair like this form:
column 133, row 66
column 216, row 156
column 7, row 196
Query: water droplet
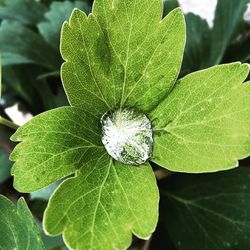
column 127, row 135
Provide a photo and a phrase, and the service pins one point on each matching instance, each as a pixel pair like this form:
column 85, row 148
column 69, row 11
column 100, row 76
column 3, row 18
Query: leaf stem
column 8, row 123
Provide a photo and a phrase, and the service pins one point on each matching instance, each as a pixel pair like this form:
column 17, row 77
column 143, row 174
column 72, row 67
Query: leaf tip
column 76, row 14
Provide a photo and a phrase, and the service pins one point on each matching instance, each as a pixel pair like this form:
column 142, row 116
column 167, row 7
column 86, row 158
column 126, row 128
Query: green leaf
column 16, row 42
column 207, row 47
column 208, row 211
column 204, row 124
column 5, row 166
column 18, row 229
column 122, row 63
column 103, row 205
column 64, row 139
column 28, row 12
column 58, row 13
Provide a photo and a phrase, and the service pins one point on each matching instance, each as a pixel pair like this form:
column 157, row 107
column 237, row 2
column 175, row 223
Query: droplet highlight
column 127, row 136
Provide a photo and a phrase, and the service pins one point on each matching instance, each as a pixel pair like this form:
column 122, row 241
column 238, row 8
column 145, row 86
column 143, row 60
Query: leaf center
column 127, row 135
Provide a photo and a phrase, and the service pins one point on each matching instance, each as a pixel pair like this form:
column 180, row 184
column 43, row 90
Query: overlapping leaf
column 18, row 229
column 5, row 166
column 117, row 57
column 204, row 124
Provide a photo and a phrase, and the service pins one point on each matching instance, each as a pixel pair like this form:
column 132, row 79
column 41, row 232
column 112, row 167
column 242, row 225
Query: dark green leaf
column 58, row 13
column 18, row 229
column 169, row 5
column 28, row 12
column 5, row 165
column 208, row 211
column 207, row 47
column 22, row 45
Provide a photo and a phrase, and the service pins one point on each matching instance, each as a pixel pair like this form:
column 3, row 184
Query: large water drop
column 127, row 135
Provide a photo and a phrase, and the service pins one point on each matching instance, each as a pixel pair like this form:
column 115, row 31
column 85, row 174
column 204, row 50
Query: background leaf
column 28, row 12
column 16, row 51
column 59, row 12
column 208, row 211
column 206, row 47
column 17, row 227
column 5, row 166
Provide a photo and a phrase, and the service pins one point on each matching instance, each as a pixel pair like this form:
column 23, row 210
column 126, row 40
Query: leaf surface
column 63, row 139
column 103, row 205
column 208, row 211
column 204, row 124
column 18, row 229
column 116, row 57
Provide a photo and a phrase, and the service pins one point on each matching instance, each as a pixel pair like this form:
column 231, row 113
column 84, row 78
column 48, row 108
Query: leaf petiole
column 8, row 123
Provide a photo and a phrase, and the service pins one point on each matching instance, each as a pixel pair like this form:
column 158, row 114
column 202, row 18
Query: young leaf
column 208, row 211
column 58, row 13
column 127, row 60
column 18, row 229
column 103, row 205
column 64, row 139
column 204, row 124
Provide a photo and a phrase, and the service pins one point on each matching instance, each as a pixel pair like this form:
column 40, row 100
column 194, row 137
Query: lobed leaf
column 64, row 139
column 103, row 204
column 117, row 57
column 204, row 124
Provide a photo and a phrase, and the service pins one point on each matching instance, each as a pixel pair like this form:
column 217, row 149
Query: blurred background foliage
column 29, row 47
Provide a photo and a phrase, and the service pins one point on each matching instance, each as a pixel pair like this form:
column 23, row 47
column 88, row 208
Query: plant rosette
column 127, row 109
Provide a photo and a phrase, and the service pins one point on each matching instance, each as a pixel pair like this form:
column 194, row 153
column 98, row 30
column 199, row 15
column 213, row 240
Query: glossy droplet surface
column 127, row 136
